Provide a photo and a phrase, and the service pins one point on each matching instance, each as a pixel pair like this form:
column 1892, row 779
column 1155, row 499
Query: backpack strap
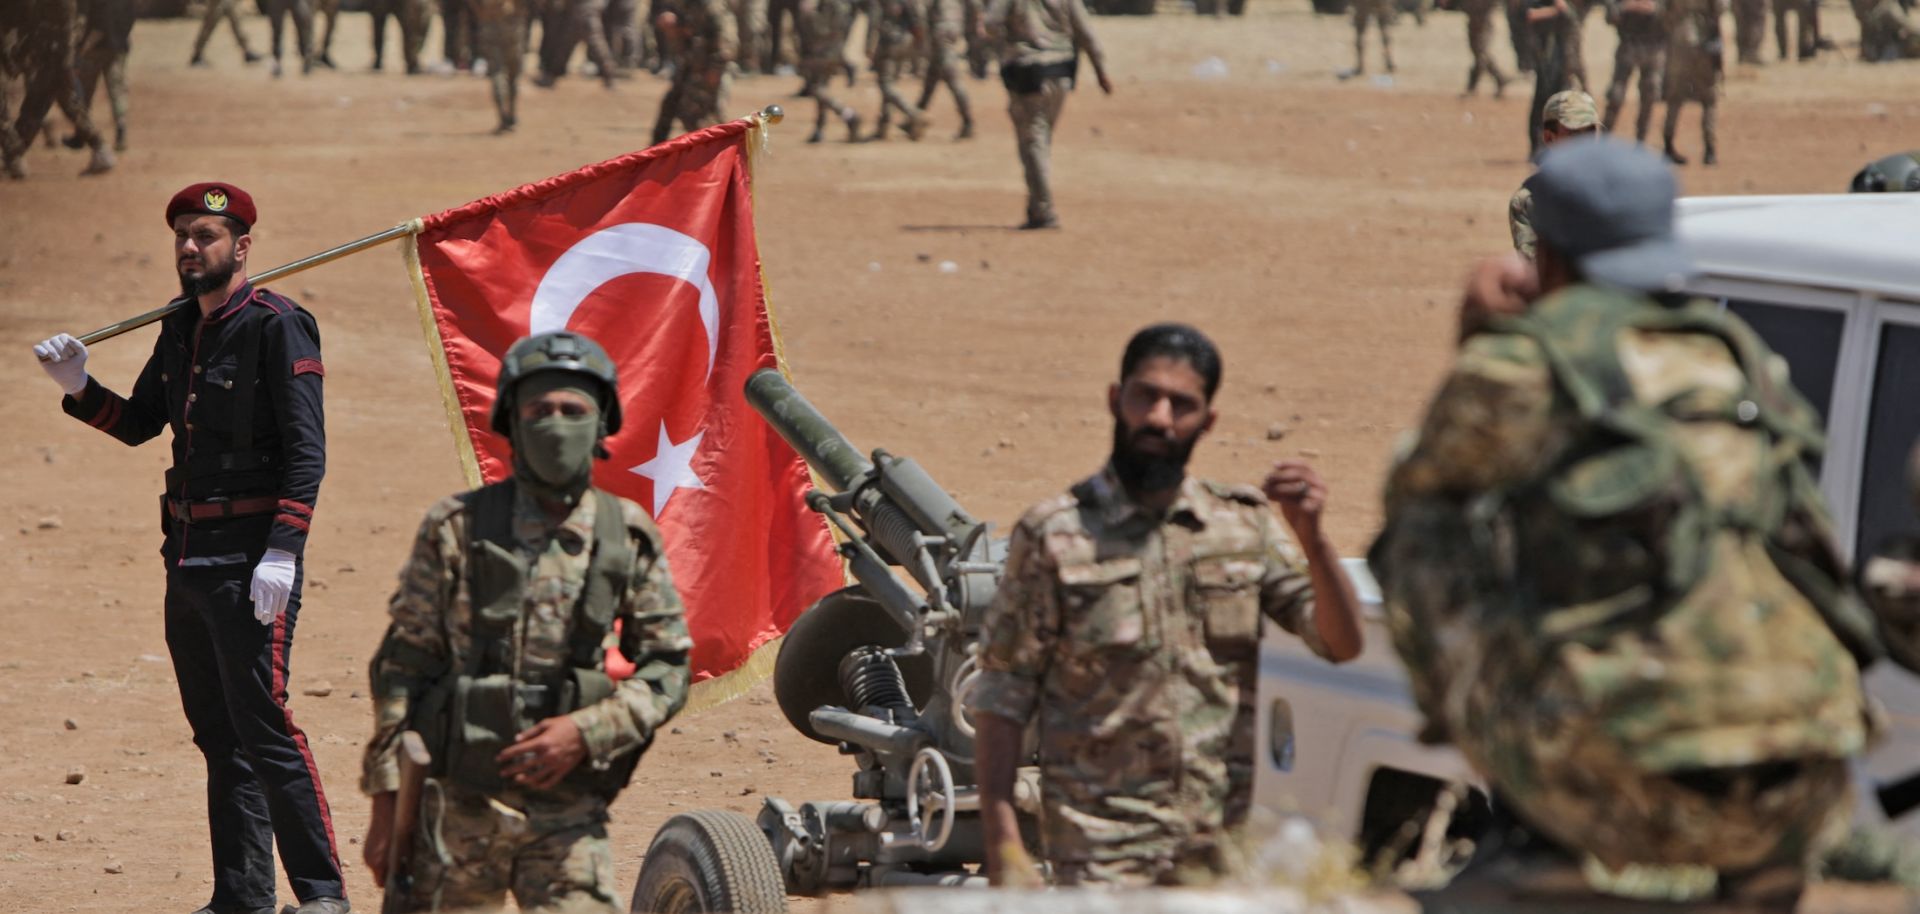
column 609, row 571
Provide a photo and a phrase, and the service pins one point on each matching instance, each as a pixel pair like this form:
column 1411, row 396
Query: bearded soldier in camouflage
column 496, row 655
column 1127, row 629
column 1611, row 577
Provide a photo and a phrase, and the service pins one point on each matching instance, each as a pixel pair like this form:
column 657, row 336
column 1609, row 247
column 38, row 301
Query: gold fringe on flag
column 437, row 351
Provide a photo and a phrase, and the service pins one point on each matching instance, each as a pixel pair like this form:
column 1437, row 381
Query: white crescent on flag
column 607, row 255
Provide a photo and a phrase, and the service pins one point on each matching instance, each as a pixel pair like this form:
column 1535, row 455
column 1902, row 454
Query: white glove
column 65, row 361
column 272, row 584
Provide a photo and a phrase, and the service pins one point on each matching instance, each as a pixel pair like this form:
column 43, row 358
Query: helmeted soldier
column 497, row 655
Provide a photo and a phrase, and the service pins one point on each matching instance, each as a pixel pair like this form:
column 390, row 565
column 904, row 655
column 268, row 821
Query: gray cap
column 1607, row 205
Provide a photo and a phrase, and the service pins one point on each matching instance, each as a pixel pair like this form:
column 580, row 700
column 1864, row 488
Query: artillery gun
column 881, row 669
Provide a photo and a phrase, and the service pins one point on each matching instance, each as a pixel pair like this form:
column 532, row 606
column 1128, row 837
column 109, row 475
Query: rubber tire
column 806, row 673
column 710, row 861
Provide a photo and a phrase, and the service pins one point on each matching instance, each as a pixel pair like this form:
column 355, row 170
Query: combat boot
column 233, row 909
column 853, row 129
column 1674, row 156
column 966, row 130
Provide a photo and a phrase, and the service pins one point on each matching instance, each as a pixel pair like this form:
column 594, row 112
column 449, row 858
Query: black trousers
column 262, row 783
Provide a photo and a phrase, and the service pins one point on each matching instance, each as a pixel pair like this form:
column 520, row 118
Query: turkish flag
column 652, row 255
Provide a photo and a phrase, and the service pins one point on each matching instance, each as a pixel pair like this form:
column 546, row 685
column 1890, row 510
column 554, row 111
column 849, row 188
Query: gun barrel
column 809, row 433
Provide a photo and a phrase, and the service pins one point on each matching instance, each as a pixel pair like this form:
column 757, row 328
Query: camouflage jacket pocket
column 1101, row 606
column 1224, row 591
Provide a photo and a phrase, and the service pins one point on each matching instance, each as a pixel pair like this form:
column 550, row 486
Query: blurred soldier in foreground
column 1127, row 630
column 500, row 30
column 497, row 656
column 1611, row 577
column 1642, row 49
column 216, row 11
column 1480, row 45
column 702, row 44
column 822, row 27
column 1693, row 71
column 902, row 25
column 36, row 43
column 1040, row 43
column 1896, row 173
column 946, row 21
column 1566, row 115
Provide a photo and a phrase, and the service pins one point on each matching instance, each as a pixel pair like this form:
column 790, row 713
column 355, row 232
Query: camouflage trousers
column 503, row 45
column 1749, row 28
column 414, row 16
column 750, row 18
column 1646, row 56
column 1194, row 866
column 1807, row 12
column 471, row 850
column 1380, row 13
column 1480, row 45
column 943, row 68
column 694, row 100
column 1034, row 116
column 98, row 60
column 216, row 11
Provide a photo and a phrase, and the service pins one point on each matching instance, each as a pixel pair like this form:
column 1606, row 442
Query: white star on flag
column 671, row 468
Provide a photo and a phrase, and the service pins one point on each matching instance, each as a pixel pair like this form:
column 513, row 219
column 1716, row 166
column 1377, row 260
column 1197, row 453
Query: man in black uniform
column 236, row 374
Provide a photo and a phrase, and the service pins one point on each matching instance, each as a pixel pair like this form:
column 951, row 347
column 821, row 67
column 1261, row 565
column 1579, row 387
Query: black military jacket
column 241, row 390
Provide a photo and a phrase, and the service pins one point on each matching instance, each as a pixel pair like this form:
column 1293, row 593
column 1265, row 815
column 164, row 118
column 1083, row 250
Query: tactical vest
column 478, row 709
column 1617, row 536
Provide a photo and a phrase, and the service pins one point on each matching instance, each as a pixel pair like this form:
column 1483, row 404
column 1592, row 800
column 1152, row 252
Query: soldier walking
column 1749, row 29
column 1381, row 14
column 750, row 22
column 1480, row 45
column 947, row 23
column 507, row 602
column 703, row 44
column 1607, row 486
column 1549, row 30
column 106, row 37
column 500, row 27
column 902, row 26
column 413, row 17
column 302, row 13
column 1807, row 16
column 1693, row 71
column 1642, row 50
column 37, row 42
column 1127, row 627
column 218, row 10
column 323, row 52
column 236, row 376
column 1040, row 45
column 822, row 29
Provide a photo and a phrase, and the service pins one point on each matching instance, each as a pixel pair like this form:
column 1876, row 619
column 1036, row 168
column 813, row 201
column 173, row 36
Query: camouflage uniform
column 1480, row 44
column 302, row 12
column 414, row 16
column 1642, row 48
column 216, row 11
column 106, row 37
column 903, row 40
column 500, row 29
column 1886, row 31
column 548, row 847
column 1130, row 640
column 750, row 23
column 822, row 27
column 1707, row 729
column 1749, row 29
column 1381, row 13
column 704, row 46
column 1040, row 40
column 1808, row 14
column 329, row 10
column 1693, row 69
column 37, row 44
column 1520, row 220
column 945, row 45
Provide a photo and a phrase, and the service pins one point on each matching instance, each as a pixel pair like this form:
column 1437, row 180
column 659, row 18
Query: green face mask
column 554, row 455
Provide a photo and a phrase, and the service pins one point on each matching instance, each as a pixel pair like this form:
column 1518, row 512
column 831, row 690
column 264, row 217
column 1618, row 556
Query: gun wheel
column 707, row 862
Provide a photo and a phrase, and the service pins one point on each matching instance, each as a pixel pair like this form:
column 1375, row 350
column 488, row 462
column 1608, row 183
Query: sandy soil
column 1317, row 228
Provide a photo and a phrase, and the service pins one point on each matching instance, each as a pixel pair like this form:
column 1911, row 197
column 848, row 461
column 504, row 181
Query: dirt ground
column 1317, row 228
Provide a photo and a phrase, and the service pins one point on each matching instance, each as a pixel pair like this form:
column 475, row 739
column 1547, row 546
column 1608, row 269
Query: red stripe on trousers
column 300, row 738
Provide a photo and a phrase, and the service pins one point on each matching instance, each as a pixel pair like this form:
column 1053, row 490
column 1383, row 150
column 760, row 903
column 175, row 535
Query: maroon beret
column 212, row 197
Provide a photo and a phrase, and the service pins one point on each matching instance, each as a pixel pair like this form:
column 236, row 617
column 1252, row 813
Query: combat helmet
column 557, row 350
column 1895, row 173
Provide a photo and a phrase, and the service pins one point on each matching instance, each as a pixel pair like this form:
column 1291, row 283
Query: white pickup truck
column 1833, row 284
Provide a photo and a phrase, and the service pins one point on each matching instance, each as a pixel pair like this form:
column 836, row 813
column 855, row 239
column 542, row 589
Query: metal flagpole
column 280, row 272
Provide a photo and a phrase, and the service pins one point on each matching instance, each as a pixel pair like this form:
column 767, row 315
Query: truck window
column 1808, row 338
column 1886, row 510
